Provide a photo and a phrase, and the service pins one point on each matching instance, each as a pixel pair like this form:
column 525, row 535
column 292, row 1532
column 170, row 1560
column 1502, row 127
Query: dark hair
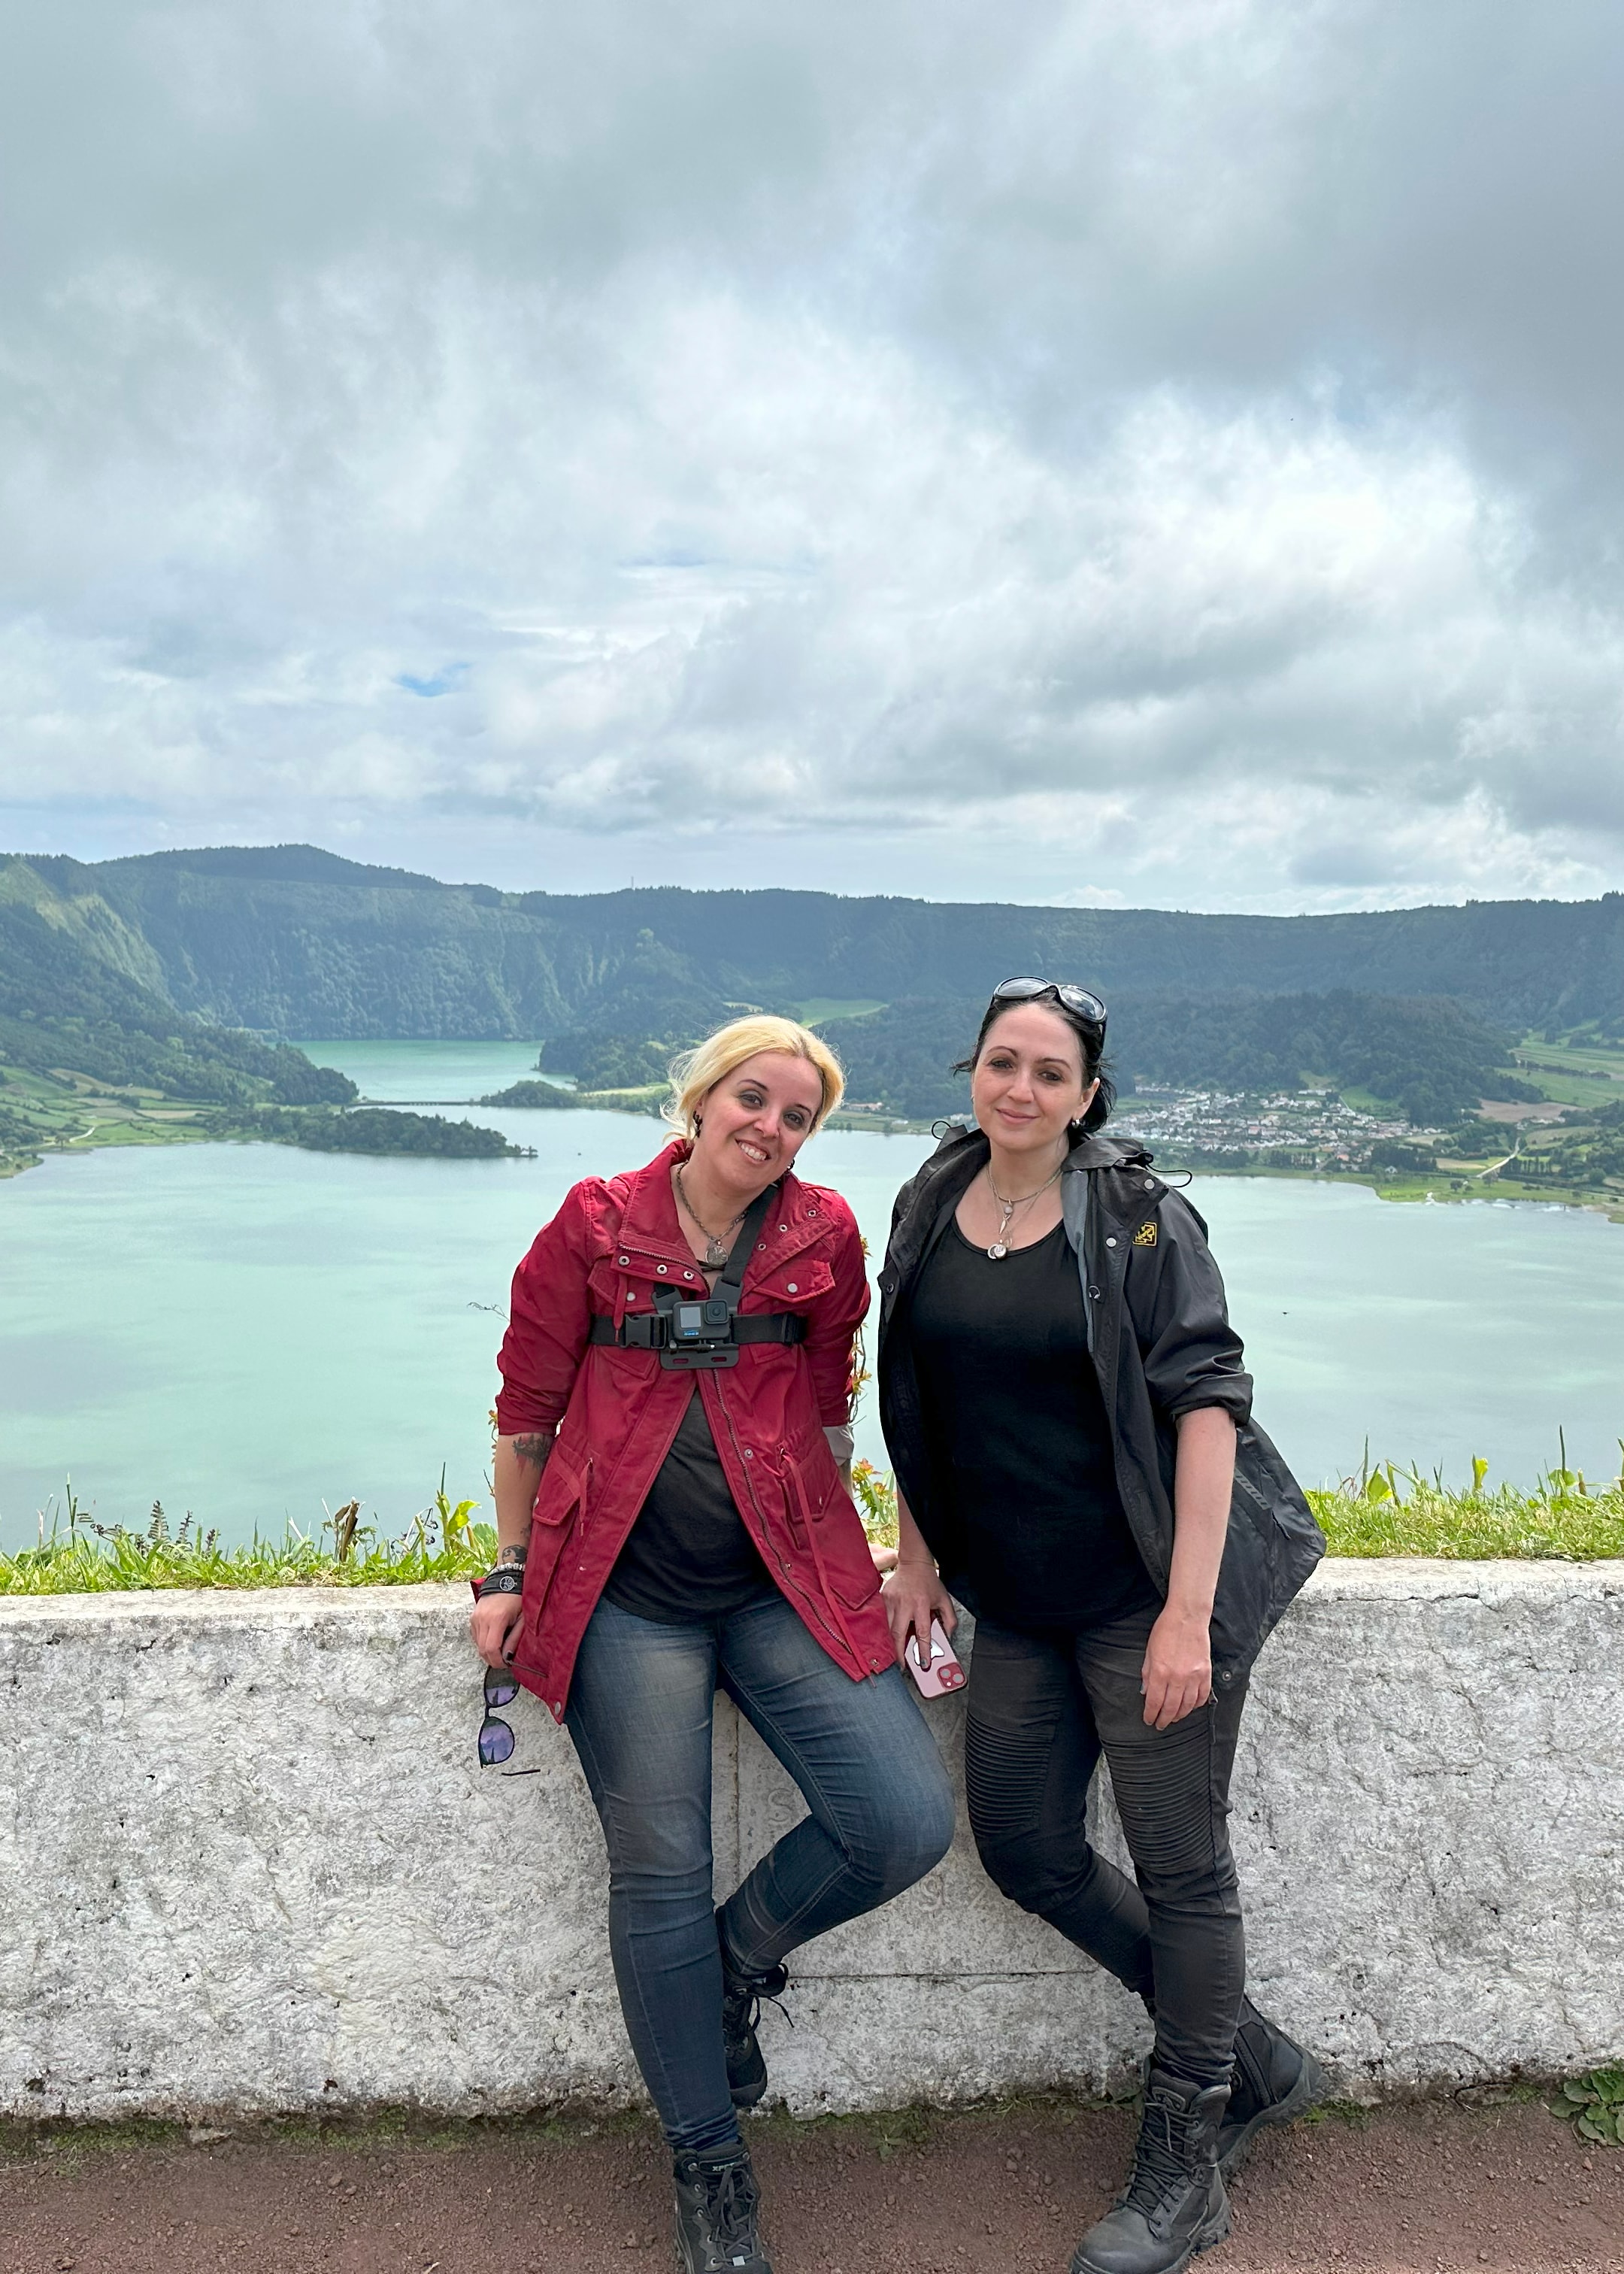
column 1090, row 1043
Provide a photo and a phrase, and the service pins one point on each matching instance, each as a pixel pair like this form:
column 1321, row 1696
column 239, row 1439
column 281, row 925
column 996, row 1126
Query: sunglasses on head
column 1075, row 998
column 496, row 1739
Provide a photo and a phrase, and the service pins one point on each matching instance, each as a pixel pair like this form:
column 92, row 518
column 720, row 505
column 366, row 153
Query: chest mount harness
column 695, row 1333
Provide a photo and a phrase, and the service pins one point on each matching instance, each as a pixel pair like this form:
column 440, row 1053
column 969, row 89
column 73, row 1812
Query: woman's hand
column 1177, row 1674
column 493, row 1627
column 914, row 1596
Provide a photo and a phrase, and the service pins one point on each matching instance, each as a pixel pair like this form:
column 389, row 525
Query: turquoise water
column 250, row 1331
column 407, row 1073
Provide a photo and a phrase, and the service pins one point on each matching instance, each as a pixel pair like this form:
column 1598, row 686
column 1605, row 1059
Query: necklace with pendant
column 716, row 1249
column 1000, row 1247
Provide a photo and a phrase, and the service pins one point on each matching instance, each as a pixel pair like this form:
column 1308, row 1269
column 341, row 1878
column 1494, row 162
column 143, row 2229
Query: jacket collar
column 963, row 1144
column 963, row 1150
column 649, row 1219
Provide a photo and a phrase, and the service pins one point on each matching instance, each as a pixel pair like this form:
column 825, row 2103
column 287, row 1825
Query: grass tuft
column 1382, row 1511
column 78, row 1556
column 1392, row 1511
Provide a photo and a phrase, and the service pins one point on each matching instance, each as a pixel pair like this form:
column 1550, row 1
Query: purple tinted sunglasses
column 496, row 1739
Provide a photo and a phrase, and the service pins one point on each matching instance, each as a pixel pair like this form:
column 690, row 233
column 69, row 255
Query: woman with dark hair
column 674, row 1517
column 1064, row 1399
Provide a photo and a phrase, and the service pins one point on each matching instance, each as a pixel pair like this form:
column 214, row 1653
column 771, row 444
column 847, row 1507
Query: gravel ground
column 1505, row 2189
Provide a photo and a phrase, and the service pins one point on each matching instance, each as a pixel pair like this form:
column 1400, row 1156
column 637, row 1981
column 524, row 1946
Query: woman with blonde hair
column 677, row 1379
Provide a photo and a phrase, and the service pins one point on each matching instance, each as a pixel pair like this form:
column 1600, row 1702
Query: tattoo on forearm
column 533, row 1448
column 512, row 1556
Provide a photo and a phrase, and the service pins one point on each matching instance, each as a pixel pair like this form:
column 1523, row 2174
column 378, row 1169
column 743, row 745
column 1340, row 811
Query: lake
column 252, row 1332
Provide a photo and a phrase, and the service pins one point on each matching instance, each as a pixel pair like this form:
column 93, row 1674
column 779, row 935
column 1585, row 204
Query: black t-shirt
column 689, row 1555
column 1023, row 1446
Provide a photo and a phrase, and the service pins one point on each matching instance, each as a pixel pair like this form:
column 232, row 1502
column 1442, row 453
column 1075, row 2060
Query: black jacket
column 1162, row 1345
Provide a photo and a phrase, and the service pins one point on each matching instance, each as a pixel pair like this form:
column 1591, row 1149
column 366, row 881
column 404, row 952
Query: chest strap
column 652, row 1331
column 703, row 1331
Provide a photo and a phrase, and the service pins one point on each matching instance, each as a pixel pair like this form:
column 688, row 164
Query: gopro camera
column 697, row 1323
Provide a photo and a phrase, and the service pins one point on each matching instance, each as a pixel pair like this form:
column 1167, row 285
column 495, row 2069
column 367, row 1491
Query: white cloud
column 1096, row 446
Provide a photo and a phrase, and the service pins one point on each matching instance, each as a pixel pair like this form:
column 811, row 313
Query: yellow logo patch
column 1146, row 1236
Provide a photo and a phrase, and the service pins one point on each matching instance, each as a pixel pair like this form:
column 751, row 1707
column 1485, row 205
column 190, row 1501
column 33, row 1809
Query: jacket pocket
column 833, row 1530
column 791, row 1286
column 559, row 1505
column 563, row 1487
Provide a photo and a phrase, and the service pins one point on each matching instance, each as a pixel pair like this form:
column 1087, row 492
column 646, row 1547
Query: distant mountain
column 1431, row 1056
column 68, row 998
column 293, row 941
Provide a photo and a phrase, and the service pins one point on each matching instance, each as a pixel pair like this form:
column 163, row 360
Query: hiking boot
column 742, row 2005
column 717, row 2204
column 1174, row 2204
column 1274, row 2080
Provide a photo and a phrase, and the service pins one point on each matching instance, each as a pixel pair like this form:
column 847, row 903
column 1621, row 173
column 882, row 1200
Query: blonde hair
column 695, row 1073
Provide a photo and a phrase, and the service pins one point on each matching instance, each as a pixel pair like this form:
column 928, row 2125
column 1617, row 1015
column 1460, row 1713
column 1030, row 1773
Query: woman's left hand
column 1177, row 1674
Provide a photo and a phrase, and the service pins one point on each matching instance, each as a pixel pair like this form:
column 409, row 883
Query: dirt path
column 1505, row 2189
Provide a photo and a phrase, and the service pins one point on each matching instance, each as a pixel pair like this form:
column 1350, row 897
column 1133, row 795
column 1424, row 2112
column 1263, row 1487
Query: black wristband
column 507, row 1579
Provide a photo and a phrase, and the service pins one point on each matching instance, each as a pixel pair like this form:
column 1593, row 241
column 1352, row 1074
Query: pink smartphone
column 944, row 1671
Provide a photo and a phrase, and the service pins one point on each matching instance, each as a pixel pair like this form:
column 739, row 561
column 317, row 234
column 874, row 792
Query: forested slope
column 61, row 1005
column 82, row 1032
column 1431, row 1056
column 295, row 941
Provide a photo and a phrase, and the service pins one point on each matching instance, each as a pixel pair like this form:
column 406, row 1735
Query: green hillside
column 292, row 940
column 152, row 988
column 1432, row 1057
column 92, row 1051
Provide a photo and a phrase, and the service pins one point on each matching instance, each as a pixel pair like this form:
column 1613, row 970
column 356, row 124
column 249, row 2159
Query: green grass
column 75, row 1556
column 1577, row 1071
column 1382, row 1511
column 1392, row 1511
column 825, row 1010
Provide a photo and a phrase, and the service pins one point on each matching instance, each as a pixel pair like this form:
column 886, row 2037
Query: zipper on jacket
column 809, row 1524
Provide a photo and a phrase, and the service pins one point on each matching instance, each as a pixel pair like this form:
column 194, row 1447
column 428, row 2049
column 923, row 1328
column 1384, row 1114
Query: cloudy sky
column 1142, row 452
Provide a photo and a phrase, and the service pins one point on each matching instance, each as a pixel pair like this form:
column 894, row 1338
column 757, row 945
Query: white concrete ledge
column 247, row 1863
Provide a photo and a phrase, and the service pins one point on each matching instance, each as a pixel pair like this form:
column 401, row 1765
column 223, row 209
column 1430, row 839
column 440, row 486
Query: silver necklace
column 716, row 1252
column 1000, row 1246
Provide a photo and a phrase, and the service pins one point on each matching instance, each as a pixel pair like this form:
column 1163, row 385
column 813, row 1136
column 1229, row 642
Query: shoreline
column 127, row 1119
column 172, row 1123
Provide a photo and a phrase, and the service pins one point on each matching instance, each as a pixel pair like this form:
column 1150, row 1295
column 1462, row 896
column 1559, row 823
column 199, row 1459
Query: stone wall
column 247, row 1863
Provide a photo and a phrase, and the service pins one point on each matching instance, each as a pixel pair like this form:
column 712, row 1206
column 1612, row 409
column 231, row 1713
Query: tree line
column 291, row 940
column 1433, row 1058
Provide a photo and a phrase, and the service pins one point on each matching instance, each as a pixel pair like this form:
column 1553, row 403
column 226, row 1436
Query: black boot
column 1174, row 2204
column 742, row 2004
column 717, row 2204
column 1274, row 2080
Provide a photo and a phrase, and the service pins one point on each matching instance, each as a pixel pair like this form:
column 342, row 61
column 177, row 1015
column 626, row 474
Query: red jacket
column 616, row 1411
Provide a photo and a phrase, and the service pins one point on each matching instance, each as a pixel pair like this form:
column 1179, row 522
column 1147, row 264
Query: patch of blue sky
column 447, row 681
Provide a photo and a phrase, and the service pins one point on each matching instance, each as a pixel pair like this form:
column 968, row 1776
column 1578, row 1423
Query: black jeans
column 1041, row 1711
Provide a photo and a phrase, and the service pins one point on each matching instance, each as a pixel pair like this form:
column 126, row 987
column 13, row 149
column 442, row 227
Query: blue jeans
column 640, row 1712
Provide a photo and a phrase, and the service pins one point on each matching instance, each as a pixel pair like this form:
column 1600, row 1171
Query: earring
column 698, row 1124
